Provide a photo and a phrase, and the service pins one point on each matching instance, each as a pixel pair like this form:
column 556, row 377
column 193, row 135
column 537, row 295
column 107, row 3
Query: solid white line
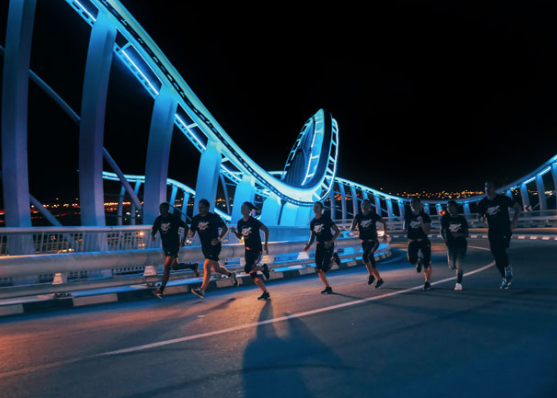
column 236, row 328
column 284, row 318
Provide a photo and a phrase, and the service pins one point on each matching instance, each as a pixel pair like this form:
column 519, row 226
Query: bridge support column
column 288, row 215
column 524, row 195
column 401, row 210
column 426, row 209
column 15, row 92
column 377, row 199
column 390, row 208
column 333, row 203
column 244, row 193
column 541, row 192
column 466, row 207
column 354, row 201
column 133, row 207
column 271, row 210
column 158, row 153
column 91, row 128
column 554, row 175
column 185, row 202
column 343, row 202
column 208, row 175
column 302, row 216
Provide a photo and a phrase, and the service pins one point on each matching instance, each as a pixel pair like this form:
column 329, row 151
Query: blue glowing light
column 545, row 171
column 140, row 72
column 189, row 131
column 84, row 9
column 529, row 180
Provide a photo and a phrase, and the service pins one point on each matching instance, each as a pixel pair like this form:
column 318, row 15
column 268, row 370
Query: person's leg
column 425, row 247
column 323, row 277
column 460, row 256
column 413, row 248
column 497, row 247
column 180, row 266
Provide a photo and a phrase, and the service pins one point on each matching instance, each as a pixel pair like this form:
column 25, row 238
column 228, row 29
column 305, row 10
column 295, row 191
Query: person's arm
column 442, row 231
column 223, row 231
column 464, row 230
column 517, row 211
column 311, row 240
column 236, row 233
column 354, row 222
column 154, row 230
column 265, row 230
column 426, row 226
column 336, row 229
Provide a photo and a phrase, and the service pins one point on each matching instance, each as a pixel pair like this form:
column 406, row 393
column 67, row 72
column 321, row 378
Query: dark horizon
column 428, row 96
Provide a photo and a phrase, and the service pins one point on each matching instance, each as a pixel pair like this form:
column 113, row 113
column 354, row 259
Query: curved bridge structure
column 115, row 36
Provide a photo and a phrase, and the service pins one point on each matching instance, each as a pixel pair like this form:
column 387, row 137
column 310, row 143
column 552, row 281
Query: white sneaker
column 458, row 286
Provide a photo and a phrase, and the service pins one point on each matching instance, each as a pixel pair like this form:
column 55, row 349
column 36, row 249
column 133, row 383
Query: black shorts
column 211, row 252
column 369, row 247
column 424, row 246
column 170, row 249
column 252, row 258
column 324, row 257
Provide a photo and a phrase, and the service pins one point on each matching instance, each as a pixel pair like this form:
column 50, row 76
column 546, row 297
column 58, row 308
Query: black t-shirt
column 415, row 230
column 450, row 225
column 366, row 225
column 497, row 213
column 207, row 227
column 321, row 228
column 168, row 227
column 250, row 231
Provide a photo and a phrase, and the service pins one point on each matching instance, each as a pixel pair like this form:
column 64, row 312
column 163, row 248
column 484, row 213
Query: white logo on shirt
column 415, row 225
column 203, row 225
column 493, row 210
column 455, row 227
column 246, row 231
column 165, row 227
column 365, row 224
column 318, row 228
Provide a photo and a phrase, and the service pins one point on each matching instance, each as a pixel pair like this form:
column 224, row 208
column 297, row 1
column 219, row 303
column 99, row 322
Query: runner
column 168, row 226
column 454, row 230
column 418, row 225
column 248, row 230
column 495, row 208
column 320, row 228
column 367, row 229
column 207, row 225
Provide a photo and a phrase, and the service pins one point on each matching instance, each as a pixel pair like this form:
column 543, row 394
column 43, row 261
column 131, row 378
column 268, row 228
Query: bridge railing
column 545, row 218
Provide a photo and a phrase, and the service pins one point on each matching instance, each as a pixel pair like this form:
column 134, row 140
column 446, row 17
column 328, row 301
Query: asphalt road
column 397, row 341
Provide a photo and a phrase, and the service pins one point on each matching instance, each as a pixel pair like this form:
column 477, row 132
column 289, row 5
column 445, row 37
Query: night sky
column 429, row 95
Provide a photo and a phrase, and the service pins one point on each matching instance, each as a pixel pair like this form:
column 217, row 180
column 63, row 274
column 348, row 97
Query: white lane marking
column 235, row 328
column 284, row 318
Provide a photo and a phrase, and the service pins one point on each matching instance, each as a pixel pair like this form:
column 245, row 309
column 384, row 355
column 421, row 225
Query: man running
column 168, row 226
column 454, row 230
column 248, row 230
column 418, row 225
column 367, row 229
column 495, row 208
column 320, row 228
column 207, row 225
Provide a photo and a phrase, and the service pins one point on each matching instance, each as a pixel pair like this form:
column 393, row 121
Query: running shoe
column 235, row 282
column 419, row 266
column 198, row 292
column 370, row 279
column 264, row 296
column 427, row 286
column 337, row 259
column 509, row 275
column 328, row 290
column 504, row 285
column 458, row 286
column 266, row 271
column 379, row 283
column 157, row 293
